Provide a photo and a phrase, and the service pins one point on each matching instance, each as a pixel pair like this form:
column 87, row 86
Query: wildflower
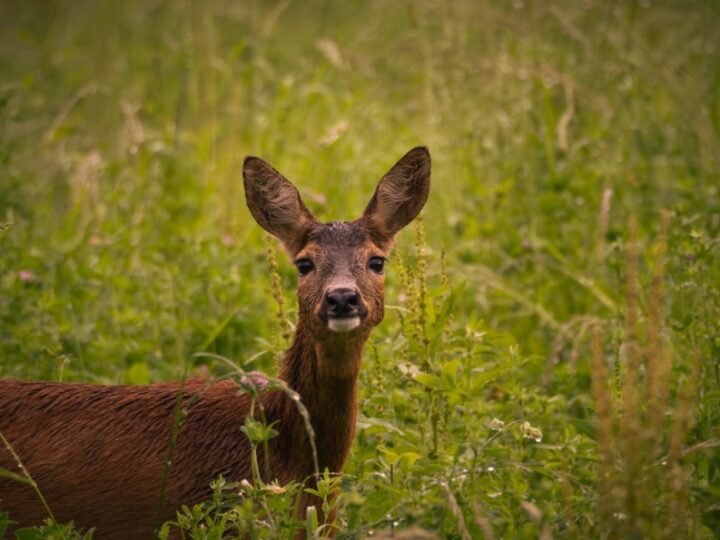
column 26, row 275
column 496, row 424
column 254, row 379
column 530, row 432
column 275, row 489
column 247, row 486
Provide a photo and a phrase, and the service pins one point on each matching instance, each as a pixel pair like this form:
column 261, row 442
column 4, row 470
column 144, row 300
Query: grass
column 561, row 134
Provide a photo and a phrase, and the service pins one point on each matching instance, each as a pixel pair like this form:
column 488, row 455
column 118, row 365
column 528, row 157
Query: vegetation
column 550, row 360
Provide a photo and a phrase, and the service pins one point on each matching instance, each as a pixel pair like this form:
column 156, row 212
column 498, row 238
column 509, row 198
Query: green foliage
column 125, row 248
column 244, row 510
column 255, row 510
column 51, row 531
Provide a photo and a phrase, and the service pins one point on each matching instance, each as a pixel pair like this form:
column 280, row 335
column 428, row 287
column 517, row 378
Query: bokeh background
column 556, row 128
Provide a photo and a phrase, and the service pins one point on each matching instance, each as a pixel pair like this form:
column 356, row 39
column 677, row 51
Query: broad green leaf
column 411, row 457
column 431, row 381
column 391, row 457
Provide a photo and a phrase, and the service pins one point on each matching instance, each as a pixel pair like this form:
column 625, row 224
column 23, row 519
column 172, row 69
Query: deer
column 98, row 452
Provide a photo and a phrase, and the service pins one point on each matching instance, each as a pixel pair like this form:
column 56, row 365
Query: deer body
column 98, row 453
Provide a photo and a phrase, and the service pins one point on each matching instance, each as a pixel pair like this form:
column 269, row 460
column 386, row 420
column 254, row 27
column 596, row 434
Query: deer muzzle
column 343, row 309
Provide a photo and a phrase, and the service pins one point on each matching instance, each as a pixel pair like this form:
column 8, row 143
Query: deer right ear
column 400, row 195
column 276, row 204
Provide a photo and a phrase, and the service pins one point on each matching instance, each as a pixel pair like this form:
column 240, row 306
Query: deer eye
column 304, row 266
column 377, row 264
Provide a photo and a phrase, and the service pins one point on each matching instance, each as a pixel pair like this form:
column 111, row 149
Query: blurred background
column 126, row 245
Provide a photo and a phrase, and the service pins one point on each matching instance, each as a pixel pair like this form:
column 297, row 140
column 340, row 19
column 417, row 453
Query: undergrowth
column 549, row 362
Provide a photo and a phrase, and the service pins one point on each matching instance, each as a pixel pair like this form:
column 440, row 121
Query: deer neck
column 324, row 372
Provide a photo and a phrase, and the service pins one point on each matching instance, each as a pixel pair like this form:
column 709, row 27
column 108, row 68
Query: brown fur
column 98, row 452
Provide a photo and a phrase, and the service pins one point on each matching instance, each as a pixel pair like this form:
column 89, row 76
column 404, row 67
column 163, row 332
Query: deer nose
column 342, row 302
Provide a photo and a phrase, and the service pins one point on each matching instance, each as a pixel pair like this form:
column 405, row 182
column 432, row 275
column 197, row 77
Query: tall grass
column 548, row 365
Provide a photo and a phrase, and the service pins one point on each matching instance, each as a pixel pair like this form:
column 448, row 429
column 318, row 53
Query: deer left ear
column 400, row 195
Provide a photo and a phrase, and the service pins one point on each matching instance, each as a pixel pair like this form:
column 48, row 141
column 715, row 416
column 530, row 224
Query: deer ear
column 276, row 204
column 400, row 195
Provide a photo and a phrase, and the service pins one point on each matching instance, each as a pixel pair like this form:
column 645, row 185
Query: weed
column 563, row 303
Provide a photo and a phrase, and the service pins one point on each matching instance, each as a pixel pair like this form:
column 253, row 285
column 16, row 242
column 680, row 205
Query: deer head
column 340, row 264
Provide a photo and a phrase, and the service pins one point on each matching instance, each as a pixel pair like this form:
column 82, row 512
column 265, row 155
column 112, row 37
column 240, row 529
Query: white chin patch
column 343, row 325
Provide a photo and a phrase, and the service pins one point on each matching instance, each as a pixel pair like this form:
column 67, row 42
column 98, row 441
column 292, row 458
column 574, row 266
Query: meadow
column 549, row 363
